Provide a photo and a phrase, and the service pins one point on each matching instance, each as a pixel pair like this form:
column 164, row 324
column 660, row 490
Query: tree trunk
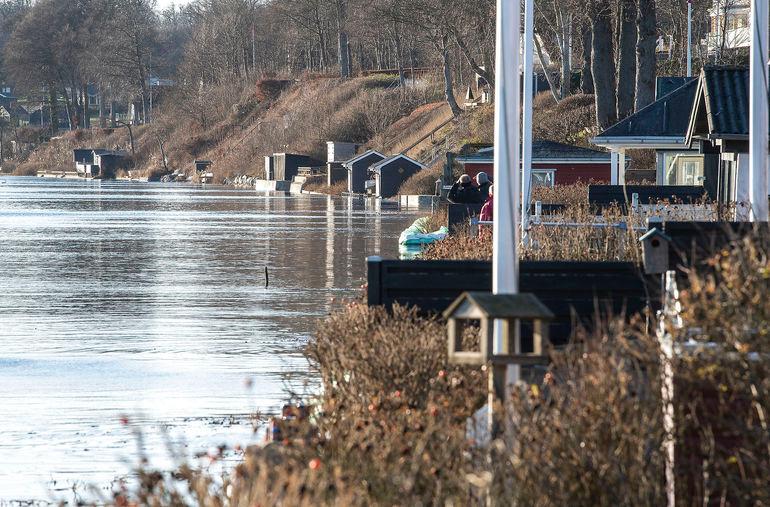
column 86, row 108
column 449, row 93
column 603, row 67
column 586, row 79
column 565, row 48
column 551, row 85
column 645, row 54
column 626, row 58
column 102, row 119
column 52, row 109
column 484, row 72
column 342, row 41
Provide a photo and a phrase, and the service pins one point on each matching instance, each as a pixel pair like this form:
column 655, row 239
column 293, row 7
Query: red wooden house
column 552, row 163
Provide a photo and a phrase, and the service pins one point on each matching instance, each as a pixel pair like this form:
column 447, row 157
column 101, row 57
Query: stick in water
column 267, row 278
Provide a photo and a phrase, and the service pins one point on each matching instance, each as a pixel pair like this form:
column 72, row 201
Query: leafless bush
column 592, row 433
column 571, row 121
column 389, row 425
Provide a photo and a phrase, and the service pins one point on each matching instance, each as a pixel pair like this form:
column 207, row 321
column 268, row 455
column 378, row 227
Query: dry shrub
column 389, row 428
column 549, row 242
column 571, row 121
column 320, row 186
column 437, row 219
column 592, row 433
column 380, row 109
column 575, row 194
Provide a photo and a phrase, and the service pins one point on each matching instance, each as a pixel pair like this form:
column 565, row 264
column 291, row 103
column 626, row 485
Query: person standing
column 486, row 214
column 462, row 192
column 482, row 186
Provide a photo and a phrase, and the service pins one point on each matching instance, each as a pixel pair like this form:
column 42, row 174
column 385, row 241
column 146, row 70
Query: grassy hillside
column 240, row 127
column 237, row 125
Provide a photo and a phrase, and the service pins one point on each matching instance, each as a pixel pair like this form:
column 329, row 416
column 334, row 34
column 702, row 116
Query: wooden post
column 374, row 277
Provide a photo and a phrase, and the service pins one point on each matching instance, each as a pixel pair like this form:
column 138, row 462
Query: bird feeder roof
column 477, row 305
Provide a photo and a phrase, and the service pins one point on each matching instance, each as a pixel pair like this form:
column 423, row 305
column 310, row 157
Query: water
column 149, row 301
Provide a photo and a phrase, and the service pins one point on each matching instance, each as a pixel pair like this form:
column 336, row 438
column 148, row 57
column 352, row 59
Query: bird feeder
column 655, row 245
column 486, row 308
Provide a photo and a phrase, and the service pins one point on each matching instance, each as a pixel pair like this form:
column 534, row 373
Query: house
column 84, row 162
column 661, row 126
column 110, row 162
column 358, row 170
column 719, row 128
column 99, row 163
column 390, row 173
column 729, row 26
column 552, row 163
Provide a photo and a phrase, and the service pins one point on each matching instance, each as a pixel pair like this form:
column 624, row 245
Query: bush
column 571, row 121
column 389, row 425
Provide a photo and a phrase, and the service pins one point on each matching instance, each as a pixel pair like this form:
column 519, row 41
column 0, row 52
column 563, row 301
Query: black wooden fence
column 604, row 196
column 573, row 291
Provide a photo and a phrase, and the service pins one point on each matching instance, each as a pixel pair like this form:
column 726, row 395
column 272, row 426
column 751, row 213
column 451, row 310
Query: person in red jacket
column 486, row 210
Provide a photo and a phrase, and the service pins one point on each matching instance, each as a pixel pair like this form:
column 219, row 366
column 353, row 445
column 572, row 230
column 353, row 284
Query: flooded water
column 150, row 301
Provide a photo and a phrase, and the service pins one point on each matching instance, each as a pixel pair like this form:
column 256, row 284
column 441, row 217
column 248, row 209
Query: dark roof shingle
column 666, row 117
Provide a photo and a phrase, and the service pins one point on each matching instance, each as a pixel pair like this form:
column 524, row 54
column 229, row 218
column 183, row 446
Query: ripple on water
column 150, row 300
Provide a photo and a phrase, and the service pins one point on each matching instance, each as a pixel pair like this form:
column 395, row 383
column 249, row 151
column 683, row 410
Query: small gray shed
column 358, row 170
column 391, row 173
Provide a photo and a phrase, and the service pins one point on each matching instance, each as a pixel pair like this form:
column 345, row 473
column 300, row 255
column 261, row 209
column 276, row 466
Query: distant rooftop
column 544, row 150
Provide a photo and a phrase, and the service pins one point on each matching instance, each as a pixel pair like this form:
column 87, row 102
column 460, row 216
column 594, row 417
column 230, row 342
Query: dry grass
column 389, row 425
column 243, row 122
column 571, row 121
column 320, row 186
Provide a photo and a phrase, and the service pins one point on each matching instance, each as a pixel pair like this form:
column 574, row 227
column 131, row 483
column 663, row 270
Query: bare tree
column 645, row 54
column 627, row 14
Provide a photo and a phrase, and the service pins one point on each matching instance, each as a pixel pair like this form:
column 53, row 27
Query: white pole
column 689, row 38
column 614, row 171
column 526, row 151
column 505, row 229
column 622, row 166
column 758, row 128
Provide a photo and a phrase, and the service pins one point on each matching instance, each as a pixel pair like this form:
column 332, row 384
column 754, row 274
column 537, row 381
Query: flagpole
column 689, row 38
column 505, row 228
column 758, row 114
column 526, row 151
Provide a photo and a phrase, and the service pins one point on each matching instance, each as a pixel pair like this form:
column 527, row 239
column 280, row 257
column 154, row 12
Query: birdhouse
column 655, row 245
column 485, row 308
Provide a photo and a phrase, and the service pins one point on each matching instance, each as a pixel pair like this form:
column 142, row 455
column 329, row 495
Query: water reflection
column 151, row 300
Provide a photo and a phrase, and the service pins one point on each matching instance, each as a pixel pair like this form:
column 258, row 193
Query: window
column 543, row 177
column 682, row 169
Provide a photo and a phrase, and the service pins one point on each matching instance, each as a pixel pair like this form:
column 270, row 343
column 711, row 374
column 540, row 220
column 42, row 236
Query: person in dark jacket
column 482, row 187
column 462, row 192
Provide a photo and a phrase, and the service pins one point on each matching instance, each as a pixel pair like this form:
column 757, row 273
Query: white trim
column 661, row 143
column 603, row 160
column 355, row 159
column 376, row 167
